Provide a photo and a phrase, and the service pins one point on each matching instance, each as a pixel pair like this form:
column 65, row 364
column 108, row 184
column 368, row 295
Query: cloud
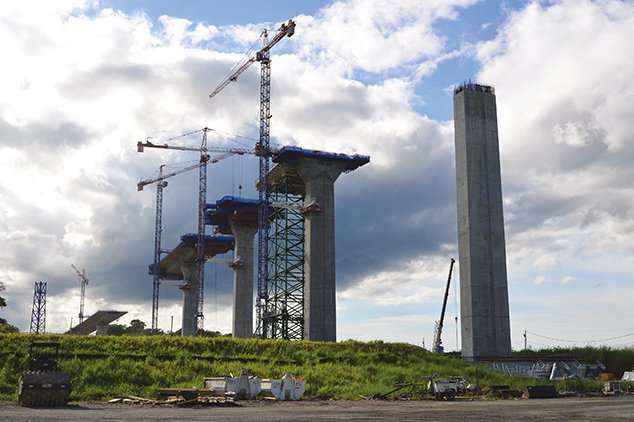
column 561, row 79
column 375, row 36
column 414, row 282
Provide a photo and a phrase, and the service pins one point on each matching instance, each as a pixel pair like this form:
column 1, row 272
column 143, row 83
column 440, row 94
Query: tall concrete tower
column 484, row 302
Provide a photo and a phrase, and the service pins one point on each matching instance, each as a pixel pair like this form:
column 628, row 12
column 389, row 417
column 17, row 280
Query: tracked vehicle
column 42, row 385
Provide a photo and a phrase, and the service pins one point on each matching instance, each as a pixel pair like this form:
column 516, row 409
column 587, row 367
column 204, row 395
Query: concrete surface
column 243, row 279
column 484, row 303
column 319, row 176
column 570, row 409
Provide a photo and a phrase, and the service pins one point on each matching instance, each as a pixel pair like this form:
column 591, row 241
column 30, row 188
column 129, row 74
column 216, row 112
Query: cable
column 581, row 341
column 226, row 135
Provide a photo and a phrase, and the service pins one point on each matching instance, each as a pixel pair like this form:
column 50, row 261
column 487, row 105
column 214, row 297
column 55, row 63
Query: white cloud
column 417, row 281
column 375, row 35
column 561, row 80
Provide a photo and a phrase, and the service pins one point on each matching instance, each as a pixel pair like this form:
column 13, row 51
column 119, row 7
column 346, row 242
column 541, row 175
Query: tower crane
column 264, row 152
column 161, row 183
column 437, row 347
column 202, row 203
column 83, row 280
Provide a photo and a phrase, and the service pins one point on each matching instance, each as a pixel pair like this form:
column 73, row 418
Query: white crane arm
column 286, row 29
column 146, row 182
column 233, row 77
column 81, row 275
column 239, row 151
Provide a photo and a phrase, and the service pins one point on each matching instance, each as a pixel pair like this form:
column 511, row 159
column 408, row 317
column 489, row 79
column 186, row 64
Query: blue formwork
column 231, row 209
column 214, row 245
column 291, row 155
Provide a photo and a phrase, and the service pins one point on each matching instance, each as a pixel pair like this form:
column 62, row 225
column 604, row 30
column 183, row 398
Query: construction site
column 281, row 249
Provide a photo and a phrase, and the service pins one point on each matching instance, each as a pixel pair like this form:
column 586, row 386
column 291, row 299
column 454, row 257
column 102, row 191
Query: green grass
column 109, row 366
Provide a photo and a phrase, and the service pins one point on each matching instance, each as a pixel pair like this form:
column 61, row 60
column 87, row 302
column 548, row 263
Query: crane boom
column 142, row 183
column 147, row 144
column 437, row 348
column 286, row 29
column 233, row 77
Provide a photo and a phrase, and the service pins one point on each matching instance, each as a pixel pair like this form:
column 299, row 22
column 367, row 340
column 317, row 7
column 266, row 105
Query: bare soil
column 620, row 408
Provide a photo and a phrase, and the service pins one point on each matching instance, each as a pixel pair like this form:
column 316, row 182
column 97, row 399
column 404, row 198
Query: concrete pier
column 484, row 303
column 319, row 171
column 243, row 279
column 238, row 216
column 190, row 301
column 180, row 264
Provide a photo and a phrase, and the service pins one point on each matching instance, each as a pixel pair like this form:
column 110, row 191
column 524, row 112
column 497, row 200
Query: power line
column 582, row 341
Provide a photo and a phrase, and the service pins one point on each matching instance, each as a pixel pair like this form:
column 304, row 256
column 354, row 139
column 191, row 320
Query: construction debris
column 246, row 387
column 288, row 388
column 612, row 388
column 178, row 397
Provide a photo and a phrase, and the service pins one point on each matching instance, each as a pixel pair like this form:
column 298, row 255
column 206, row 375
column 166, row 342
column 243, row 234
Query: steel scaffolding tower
column 285, row 312
column 38, row 314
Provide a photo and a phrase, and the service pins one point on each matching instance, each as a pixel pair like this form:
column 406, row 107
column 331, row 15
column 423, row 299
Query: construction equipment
column 612, row 388
column 247, row 387
column 443, row 389
column 264, row 152
column 38, row 312
column 161, row 183
column 437, row 347
column 83, row 280
column 42, row 384
column 202, row 205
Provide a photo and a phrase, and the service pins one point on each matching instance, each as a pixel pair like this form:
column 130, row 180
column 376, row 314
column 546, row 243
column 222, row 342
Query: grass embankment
column 109, row 366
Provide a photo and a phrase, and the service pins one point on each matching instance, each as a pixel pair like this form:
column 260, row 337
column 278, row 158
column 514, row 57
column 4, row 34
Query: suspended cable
column 582, row 341
column 184, row 135
column 229, row 136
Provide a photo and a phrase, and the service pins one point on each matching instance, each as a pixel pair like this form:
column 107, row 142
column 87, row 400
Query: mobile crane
column 437, row 347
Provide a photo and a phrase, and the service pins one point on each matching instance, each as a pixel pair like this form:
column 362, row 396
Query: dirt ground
column 568, row 409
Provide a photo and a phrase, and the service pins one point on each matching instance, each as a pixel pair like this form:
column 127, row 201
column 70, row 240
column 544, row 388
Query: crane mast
column 200, row 243
column 158, row 230
column 437, row 347
column 83, row 280
column 264, row 151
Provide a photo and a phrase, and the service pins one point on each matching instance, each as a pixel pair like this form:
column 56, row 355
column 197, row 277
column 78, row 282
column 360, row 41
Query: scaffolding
column 285, row 311
column 38, row 313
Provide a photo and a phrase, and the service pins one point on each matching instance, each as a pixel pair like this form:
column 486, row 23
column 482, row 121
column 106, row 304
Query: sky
column 84, row 80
